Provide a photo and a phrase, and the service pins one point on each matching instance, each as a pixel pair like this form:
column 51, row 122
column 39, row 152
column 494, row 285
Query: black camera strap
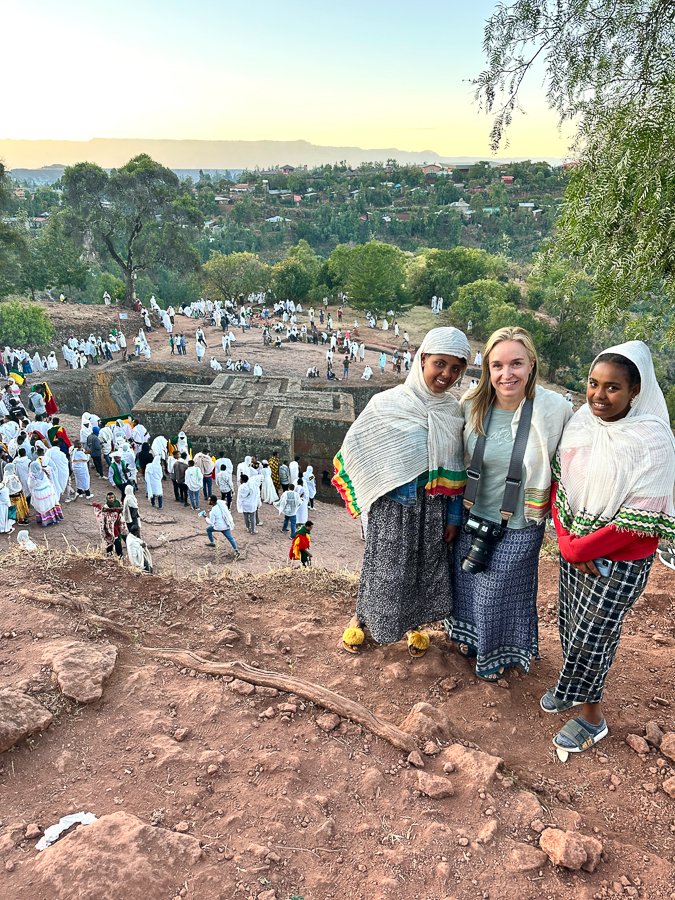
column 514, row 476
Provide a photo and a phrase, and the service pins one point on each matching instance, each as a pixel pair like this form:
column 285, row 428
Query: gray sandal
column 575, row 735
column 550, row 704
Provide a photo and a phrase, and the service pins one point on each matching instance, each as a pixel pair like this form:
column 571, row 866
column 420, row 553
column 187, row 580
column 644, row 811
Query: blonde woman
column 494, row 617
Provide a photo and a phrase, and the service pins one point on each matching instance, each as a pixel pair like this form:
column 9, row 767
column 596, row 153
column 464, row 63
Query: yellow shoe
column 418, row 643
column 352, row 638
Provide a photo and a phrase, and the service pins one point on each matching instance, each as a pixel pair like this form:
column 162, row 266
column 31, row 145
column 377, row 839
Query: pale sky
column 372, row 73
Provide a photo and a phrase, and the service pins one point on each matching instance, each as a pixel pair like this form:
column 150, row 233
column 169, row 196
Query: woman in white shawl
column 302, row 514
column 402, row 461
column 309, row 480
column 182, row 444
column 613, row 503
column 244, row 467
column 153, row 481
column 57, row 462
column 130, row 513
column 129, row 458
column 43, row 497
column 268, row 492
column 138, row 553
column 6, row 525
column 52, row 362
column 159, row 448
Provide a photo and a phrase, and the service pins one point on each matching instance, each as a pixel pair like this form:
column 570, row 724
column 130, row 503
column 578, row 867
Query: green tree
column 138, row 216
column 227, row 276
column 52, row 260
column 24, row 324
column 376, row 277
column 290, row 280
column 12, row 240
column 475, row 302
column 610, row 65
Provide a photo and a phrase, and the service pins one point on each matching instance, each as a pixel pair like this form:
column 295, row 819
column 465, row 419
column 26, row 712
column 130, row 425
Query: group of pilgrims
column 454, row 499
column 41, row 467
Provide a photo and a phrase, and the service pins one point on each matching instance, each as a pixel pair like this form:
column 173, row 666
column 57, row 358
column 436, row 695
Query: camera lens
column 476, row 559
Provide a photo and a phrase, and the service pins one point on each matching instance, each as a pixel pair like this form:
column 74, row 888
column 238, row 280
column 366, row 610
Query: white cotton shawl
column 620, row 473
column 404, row 432
column 550, row 413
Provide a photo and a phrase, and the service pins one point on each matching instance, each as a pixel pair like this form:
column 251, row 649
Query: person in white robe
column 160, row 448
column 52, row 361
column 139, row 436
column 182, row 443
column 294, row 470
column 367, row 373
column 215, row 365
column 268, row 493
column 57, row 463
column 309, row 480
column 138, row 553
column 6, row 524
column 80, row 461
column 303, row 510
column 153, row 482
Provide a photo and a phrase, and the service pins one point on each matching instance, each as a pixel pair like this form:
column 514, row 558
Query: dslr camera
column 485, row 535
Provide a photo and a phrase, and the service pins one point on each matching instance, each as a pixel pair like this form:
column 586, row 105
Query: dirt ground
column 286, row 803
column 208, row 787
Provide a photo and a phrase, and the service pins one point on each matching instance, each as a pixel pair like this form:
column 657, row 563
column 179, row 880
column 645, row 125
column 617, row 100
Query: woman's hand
column 450, row 533
column 587, row 568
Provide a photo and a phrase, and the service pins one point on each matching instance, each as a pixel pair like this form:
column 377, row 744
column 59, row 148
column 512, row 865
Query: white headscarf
column 24, row 541
column 404, row 432
column 620, row 473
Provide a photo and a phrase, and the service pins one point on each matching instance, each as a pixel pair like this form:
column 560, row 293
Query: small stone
column 272, row 857
column 212, row 769
column 563, row 848
column 449, row 684
column 637, row 743
column 267, row 895
column 615, row 780
column 537, row 825
column 593, row 849
column 268, row 713
column 243, row 688
column 463, row 842
column 328, row 722
column 668, row 745
column 430, row 749
column 180, row 734
column 288, row 708
column 33, row 831
column 434, row 786
column 649, row 788
column 227, row 637
column 653, row 734
column 182, row 827
column 9, row 866
column 415, row 759
column 669, row 787
column 524, row 858
column 449, row 767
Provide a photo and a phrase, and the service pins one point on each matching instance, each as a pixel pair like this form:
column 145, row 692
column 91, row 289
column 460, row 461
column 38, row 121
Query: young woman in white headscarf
column 153, row 481
column 309, row 479
column 614, row 501
column 494, row 619
column 402, row 462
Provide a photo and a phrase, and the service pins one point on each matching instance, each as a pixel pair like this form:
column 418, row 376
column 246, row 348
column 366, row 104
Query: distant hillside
column 219, row 155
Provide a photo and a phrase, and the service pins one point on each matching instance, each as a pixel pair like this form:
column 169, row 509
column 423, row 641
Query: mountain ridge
column 201, row 154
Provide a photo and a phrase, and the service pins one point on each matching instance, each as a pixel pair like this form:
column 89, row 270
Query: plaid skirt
column 591, row 612
column 495, row 612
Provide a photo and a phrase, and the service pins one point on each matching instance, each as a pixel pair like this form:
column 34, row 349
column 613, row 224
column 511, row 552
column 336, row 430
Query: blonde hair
column 482, row 397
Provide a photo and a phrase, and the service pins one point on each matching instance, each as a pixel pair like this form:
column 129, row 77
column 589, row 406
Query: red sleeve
column 607, row 541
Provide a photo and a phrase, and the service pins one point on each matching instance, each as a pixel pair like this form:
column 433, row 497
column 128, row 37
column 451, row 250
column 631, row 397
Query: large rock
column 81, row 669
column 118, row 855
column 570, row 850
column 668, row 745
column 426, row 722
column 478, row 767
column 20, row 716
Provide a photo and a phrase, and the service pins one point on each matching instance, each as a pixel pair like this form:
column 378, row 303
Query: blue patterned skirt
column 495, row 612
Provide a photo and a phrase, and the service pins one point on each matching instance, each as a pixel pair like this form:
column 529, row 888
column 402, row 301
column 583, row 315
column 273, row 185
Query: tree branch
column 316, row 693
